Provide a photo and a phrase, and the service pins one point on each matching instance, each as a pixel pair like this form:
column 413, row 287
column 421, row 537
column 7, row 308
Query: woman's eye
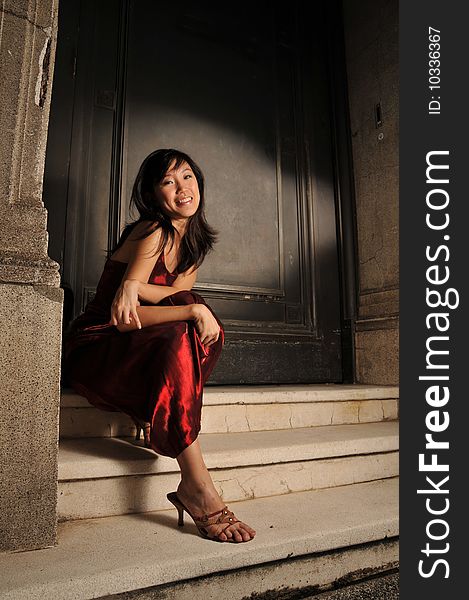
column 168, row 181
column 188, row 176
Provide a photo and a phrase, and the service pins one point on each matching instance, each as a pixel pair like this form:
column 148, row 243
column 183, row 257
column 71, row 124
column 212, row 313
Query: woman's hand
column 124, row 305
column 206, row 325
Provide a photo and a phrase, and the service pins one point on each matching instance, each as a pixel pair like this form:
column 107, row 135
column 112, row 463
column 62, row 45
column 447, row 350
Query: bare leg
column 198, row 493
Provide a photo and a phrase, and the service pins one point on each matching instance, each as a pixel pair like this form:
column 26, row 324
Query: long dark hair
column 199, row 237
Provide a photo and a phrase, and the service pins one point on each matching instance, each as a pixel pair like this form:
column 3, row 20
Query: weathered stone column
column 371, row 41
column 30, row 296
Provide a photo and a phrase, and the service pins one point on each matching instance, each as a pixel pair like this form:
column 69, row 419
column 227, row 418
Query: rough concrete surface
column 30, row 297
column 27, row 62
column 112, row 555
column 30, row 394
column 222, row 395
column 103, row 477
column 371, row 44
column 377, row 355
column 92, row 422
column 381, row 588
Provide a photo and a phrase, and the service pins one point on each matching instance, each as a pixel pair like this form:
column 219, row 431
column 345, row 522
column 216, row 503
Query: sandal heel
column 180, row 516
column 174, row 500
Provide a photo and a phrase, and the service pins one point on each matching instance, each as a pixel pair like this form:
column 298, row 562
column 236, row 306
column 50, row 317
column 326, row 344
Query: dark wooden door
column 243, row 89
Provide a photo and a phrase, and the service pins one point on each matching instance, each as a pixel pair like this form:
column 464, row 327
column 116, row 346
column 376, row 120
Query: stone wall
column 30, row 296
column 371, row 45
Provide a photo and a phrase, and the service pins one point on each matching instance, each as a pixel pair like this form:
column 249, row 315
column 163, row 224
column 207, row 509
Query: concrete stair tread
column 113, row 555
column 251, row 394
column 112, row 457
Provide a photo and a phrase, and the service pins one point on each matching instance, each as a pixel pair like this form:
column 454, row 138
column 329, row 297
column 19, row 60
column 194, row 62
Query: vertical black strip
column 118, row 130
column 344, row 185
column 433, row 253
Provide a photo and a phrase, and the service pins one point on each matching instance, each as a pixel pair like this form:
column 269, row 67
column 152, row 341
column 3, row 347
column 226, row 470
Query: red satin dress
column 155, row 374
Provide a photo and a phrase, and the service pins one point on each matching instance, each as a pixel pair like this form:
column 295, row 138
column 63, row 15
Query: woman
column 146, row 344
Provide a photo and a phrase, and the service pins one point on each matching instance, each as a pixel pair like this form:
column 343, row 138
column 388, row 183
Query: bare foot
column 204, row 499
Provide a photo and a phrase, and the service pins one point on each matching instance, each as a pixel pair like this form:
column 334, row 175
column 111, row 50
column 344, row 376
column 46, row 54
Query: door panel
column 212, row 92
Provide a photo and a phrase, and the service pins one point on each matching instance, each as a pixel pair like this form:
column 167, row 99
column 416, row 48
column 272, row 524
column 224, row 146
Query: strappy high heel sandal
column 146, row 428
column 224, row 516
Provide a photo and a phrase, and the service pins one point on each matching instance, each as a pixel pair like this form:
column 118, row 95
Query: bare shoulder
column 144, row 239
column 151, row 228
column 142, row 253
column 141, row 242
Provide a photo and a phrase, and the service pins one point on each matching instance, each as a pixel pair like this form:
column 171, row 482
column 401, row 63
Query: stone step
column 304, row 539
column 249, row 408
column 111, row 476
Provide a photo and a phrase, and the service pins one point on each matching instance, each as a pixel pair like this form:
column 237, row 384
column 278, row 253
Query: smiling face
column 178, row 193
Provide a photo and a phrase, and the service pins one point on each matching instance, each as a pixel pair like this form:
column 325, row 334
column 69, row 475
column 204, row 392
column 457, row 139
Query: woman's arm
column 204, row 321
column 139, row 268
column 150, row 292
column 153, row 315
column 132, row 290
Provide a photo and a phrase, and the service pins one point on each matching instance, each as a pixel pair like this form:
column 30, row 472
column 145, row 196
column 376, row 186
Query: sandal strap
column 226, row 516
